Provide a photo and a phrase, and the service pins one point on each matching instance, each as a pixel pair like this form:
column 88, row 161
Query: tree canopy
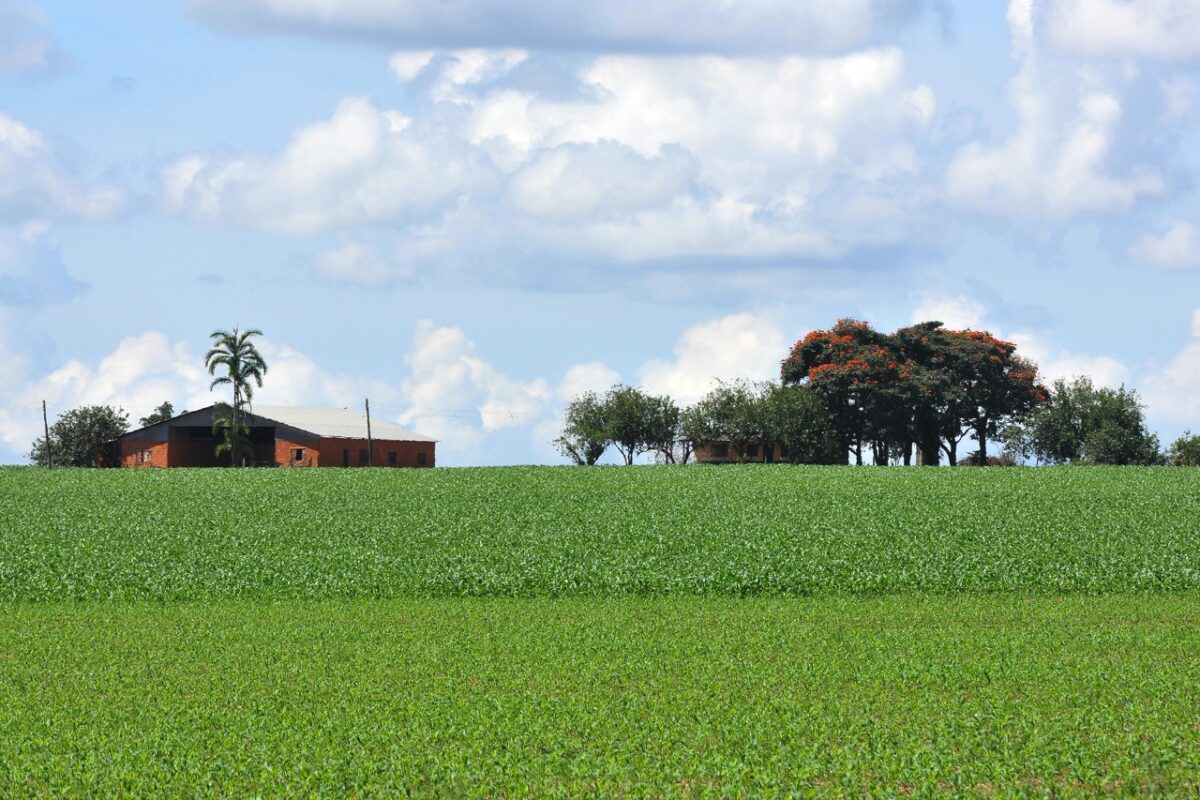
column 82, row 437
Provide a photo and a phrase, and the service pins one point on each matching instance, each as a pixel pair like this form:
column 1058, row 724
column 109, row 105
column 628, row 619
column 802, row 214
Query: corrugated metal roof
column 339, row 423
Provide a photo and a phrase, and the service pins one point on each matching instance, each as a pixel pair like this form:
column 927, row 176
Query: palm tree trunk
column 235, row 457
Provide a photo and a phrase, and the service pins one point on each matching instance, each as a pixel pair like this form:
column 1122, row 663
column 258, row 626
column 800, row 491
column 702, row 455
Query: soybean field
column 550, row 532
column 746, row 631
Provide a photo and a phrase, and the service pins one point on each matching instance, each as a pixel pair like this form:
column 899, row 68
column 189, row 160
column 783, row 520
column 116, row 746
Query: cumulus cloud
column 26, row 44
column 1161, row 29
column 453, row 394
column 362, row 165
column 1057, row 164
column 731, row 347
column 652, row 158
column 1177, row 247
column 34, row 187
column 1172, row 392
column 749, row 26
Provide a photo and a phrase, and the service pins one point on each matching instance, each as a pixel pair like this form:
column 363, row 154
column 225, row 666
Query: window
column 362, row 456
column 146, row 456
column 420, row 459
column 345, row 456
column 392, row 457
column 297, row 454
column 720, row 451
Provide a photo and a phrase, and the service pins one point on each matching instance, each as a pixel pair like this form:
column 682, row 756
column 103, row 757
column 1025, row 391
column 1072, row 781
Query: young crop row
column 632, row 697
column 748, row 530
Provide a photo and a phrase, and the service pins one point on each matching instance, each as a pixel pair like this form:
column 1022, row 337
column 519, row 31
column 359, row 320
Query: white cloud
column 456, row 396
column 581, row 182
column 1161, row 29
column 731, row 347
column 357, row 263
column 748, row 26
column 34, row 188
column 1172, row 392
column 361, row 165
column 592, row 376
column 957, row 312
column 1057, row 163
column 26, row 44
column 652, row 158
column 1054, row 362
column 1176, row 248
column 406, row 65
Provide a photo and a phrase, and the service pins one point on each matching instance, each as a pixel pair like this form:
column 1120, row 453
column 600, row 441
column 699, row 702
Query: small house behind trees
column 281, row 436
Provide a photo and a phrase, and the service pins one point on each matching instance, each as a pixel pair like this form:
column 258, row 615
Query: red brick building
column 282, row 436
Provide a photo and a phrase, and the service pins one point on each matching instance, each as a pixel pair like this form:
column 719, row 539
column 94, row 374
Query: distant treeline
column 852, row 391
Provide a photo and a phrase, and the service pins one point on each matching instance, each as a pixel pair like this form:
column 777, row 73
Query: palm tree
column 234, row 351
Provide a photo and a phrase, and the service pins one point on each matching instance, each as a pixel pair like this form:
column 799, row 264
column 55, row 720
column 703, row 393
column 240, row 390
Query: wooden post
column 46, row 429
column 367, row 405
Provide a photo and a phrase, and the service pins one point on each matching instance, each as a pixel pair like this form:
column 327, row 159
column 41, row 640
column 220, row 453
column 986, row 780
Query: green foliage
column 1185, row 451
column 544, row 531
column 584, row 436
column 1086, row 424
column 233, row 433
column 637, row 697
column 164, row 412
column 796, row 419
column 82, row 437
column 234, row 352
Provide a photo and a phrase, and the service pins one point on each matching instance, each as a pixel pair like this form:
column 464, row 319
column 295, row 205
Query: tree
column 244, row 367
column 797, row 420
column 662, row 432
column 233, row 434
column 1080, row 422
column 164, row 412
column 1185, row 451
column 83, row 437
column 584, row 436
column 635, row 421
column 856, row 370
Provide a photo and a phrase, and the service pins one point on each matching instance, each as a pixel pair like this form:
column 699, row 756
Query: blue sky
column 470, row 211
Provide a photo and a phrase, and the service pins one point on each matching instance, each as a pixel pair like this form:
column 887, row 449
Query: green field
column 533, row 532
column 633, row 696
column 567, row 632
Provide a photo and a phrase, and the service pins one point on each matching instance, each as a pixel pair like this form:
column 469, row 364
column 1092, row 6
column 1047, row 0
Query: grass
column 653, row 697
column 535, row 532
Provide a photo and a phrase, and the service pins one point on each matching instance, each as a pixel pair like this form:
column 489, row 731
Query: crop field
column 750, row 530
column 644, row 632
column 621, row 697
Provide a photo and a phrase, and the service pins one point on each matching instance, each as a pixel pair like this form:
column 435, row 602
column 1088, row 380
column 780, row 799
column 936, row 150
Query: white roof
column 340, row 423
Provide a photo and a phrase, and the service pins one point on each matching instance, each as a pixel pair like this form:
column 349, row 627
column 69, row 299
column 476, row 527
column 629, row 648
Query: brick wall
column 132, row 453
column 333, row 453
column 285, row 453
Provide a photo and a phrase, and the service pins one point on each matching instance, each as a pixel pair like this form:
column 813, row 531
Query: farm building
column 721, row 452
column 282, row 436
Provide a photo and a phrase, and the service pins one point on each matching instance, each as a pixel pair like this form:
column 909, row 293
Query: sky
column 470, row 212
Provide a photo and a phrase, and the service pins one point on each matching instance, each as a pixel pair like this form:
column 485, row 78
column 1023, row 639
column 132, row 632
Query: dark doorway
column 345, row 456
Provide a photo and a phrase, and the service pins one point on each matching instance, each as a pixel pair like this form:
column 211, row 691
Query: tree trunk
column 908, row 454
column 235, row 456
column 952, row 452
column 981, row 435
column 858, row 452
column 931, row 451
column 881, row 454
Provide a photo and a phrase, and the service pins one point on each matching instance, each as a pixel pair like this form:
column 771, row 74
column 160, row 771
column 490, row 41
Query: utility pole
column 46, row 428
column 367, row 405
